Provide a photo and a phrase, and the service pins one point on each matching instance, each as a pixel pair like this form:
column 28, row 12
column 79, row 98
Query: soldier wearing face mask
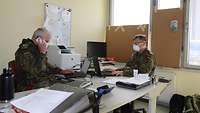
column 142, row 59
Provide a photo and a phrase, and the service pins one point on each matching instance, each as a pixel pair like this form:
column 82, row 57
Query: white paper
column 137, row 81
column 114, row 80
column 58, row 23
column 42, row 101
column 105, row 68
column 146, row 75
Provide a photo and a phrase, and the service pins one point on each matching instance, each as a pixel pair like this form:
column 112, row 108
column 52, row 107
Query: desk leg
column 152, row 105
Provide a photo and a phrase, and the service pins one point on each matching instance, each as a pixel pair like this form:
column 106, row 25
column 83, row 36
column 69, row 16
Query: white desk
column 118, row 96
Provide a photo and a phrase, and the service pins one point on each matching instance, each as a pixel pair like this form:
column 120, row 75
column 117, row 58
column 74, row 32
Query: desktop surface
column 118, row 96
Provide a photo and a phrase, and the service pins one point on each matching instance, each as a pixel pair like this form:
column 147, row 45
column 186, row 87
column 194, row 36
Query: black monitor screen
column 61, row 47
column 96, row 49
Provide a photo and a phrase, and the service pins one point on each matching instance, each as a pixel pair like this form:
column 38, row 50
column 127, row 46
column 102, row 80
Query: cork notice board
column 119, row 40
column 166, row 44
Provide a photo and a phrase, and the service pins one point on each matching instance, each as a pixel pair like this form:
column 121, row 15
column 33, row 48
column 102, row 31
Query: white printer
column 62, row 57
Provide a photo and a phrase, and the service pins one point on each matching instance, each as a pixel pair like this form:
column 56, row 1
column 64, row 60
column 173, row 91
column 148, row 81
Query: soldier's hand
column 67, row 72
column 42, row 45
column 117, row 73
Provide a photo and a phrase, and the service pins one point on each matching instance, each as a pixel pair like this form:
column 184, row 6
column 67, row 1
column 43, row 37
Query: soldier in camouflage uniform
column 142, row 60
column 32, row 69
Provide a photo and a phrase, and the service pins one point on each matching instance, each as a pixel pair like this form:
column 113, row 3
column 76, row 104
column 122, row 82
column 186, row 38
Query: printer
column 62, row 57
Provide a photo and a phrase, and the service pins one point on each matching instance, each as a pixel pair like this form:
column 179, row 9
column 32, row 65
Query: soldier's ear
column 39, row 37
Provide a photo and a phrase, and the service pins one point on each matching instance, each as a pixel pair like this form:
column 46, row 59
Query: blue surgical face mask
column 136, row 48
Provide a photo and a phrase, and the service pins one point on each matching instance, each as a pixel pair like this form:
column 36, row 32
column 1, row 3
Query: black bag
column 177, row 103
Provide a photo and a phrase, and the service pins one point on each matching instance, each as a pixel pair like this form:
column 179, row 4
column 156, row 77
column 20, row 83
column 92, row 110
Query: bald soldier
column 142, row 60
column 32, row 69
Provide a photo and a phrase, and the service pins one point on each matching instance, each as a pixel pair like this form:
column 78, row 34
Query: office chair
column 129, row 108
column 12, row 66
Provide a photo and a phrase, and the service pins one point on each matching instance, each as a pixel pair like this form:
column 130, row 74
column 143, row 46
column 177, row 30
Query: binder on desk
column 134, row 83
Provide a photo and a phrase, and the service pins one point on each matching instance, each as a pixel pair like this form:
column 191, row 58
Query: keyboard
column 107, row 74
column 77, row 74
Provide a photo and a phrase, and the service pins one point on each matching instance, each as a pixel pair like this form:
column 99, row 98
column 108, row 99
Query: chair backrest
column 12, row 66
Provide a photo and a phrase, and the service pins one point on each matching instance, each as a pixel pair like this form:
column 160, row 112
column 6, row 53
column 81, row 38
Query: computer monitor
column 96, row 49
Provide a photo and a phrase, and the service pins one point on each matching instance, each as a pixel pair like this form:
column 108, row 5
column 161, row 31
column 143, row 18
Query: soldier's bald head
column 41, row 33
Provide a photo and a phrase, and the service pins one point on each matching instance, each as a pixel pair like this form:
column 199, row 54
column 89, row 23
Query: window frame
column 157, row 7
column 111, row 13
column 152, row 7
column 186, row 39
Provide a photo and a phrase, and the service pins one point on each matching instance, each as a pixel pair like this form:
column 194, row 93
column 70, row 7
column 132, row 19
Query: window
column 193, row 34
column 130, row 12
column 168, row 4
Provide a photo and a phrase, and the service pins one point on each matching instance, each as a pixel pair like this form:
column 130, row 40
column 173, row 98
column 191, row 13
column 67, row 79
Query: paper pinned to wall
column 58, row 23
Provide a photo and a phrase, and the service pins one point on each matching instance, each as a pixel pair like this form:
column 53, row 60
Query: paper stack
column 42, row 101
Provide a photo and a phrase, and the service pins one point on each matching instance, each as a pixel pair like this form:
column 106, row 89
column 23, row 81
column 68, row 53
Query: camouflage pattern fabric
column 192, row 104
column 144, row 62
column 32, row 68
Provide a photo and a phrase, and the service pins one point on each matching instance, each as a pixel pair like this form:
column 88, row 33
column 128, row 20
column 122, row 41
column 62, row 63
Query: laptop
column 82, row 73
column 98, row 71
column 83, row 70
column 77, row 78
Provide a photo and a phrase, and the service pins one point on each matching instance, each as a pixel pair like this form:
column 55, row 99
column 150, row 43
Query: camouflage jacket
column 32, row 69
column 192, row 104
column 144, row 62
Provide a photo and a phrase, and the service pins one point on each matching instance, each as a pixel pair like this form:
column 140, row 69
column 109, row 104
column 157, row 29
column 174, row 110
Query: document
column 42, row 101
column 137, row 81
column 58, row 23
column 113, row 80
column 140, row 79
column 108, row 68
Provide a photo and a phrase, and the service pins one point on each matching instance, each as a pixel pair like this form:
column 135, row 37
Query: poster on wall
column 58, row 23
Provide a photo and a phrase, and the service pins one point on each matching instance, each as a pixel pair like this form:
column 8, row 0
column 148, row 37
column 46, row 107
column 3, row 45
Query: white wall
column 19, row 18
column 187, row 80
